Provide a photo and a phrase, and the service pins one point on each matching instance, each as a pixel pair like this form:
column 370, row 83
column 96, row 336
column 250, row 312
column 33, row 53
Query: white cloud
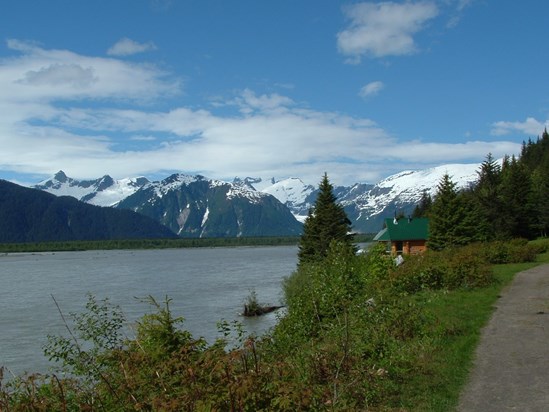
column 127, row 47
column 530, row 126
column 46, row 75
column 371, row 89
column 59, row 74
column 383, row 29
column 82, row 114
column 437, row 152
column 456, row 14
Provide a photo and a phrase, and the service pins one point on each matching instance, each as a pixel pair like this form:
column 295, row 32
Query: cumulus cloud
column 371, row 89
column 85, row 115
column 530, row 126
column 59, row 74
column 127, row 47
column 47, row 75
column 383, row 29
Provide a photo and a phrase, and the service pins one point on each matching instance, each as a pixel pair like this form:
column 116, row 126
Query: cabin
column 405, row 236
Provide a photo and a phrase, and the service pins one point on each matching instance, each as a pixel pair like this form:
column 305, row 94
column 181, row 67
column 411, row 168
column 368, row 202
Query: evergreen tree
column 515, row 194
column 326, row 222
column 486, row 195
column 424, row 206
column 453, row 220
column 539, row 201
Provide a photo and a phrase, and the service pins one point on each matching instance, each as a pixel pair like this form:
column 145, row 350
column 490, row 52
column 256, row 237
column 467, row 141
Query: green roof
column 404, row 229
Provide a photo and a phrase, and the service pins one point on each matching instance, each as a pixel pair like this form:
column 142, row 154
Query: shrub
column 449, row 269
column 510, row 251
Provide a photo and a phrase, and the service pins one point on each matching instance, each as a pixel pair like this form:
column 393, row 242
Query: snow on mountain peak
column 104, row 191
column 173, row 182
column 364, row 203
column 291, row 190
column 428, row 179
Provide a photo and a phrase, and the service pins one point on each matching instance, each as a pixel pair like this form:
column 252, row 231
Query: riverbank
column 408, row 346
column 139, row 244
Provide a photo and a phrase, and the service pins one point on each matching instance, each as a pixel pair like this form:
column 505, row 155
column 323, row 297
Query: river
column 206, row 285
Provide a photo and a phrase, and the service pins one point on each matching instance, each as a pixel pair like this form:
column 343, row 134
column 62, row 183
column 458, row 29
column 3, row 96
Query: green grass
column 459, row 316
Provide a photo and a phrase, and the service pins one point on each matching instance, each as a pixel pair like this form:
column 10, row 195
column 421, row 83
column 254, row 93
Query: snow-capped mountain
column 104, row 191
column 367, row 205
column 401, row 192
column 292, row 192
column 194, row 206
column 197, row 206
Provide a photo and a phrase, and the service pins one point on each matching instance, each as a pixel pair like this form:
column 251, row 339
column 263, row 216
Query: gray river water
column 205, row 285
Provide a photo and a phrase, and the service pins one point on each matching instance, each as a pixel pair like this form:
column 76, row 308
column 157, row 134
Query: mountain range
column 195, row 206
column 30, row 215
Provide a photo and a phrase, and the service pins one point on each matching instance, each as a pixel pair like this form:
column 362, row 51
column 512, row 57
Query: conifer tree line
column 507, row 201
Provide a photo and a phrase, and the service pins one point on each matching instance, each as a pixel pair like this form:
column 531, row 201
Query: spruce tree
column 453, row 219
column 515, row 194
column 424, row 206
column 326, row 222
column 486, row 194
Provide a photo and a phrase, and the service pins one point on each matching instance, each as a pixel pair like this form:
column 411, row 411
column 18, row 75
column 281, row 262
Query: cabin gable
column 405, row 235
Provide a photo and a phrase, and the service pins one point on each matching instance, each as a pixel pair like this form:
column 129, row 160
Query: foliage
column 449, row 269
column 486, row 197
column 424, row 205
column 453, row 220
column 252, row 307
column 359, row 334
column 100, row 326
column 326, row 222
column 506, row 202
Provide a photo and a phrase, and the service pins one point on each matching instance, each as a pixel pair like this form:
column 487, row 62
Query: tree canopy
column 509, row 200
column 326, row 222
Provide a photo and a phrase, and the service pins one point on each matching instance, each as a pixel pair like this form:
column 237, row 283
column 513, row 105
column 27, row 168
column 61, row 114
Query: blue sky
column 359, row 90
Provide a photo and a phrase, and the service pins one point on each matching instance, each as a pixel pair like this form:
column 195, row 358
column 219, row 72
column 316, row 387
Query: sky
column 288, row 88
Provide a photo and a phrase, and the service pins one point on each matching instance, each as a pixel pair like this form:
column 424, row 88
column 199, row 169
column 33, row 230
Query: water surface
column 205, row 285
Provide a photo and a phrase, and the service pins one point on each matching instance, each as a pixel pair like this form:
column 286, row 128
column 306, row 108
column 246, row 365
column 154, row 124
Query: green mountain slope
column 31, row 215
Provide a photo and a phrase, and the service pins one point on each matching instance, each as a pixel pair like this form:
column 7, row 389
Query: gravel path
column 511, row 367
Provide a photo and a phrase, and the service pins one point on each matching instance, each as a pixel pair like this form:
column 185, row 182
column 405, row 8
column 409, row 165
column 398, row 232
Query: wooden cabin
column 405, row 236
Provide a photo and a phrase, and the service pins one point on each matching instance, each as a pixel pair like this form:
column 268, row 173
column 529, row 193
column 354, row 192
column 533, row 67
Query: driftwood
column 256, row 310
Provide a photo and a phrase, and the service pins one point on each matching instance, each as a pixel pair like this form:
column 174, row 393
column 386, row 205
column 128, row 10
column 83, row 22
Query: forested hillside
column 30, row 215
column 508, row 201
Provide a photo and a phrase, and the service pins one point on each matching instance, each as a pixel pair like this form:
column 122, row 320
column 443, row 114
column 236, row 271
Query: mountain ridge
column 366, row 204
column 32, row 215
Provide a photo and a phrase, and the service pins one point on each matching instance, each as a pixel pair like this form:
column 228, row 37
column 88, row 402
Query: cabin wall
column 408, row 247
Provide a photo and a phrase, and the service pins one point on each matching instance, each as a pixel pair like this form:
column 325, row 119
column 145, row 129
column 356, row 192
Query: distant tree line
column 146, row 244
column 507, row 201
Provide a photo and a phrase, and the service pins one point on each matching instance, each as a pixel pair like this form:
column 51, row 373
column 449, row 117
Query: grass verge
column 460, row 315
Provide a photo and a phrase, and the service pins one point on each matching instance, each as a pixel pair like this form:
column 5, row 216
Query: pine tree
column 424, row 206
column 515, row 194
column 486, row 195
column 539, row 201
column 453, row 220
column 326, row 222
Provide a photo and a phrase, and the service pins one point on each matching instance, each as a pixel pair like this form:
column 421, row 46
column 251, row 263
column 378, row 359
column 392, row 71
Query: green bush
column 448, row 269
column 510, row 251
